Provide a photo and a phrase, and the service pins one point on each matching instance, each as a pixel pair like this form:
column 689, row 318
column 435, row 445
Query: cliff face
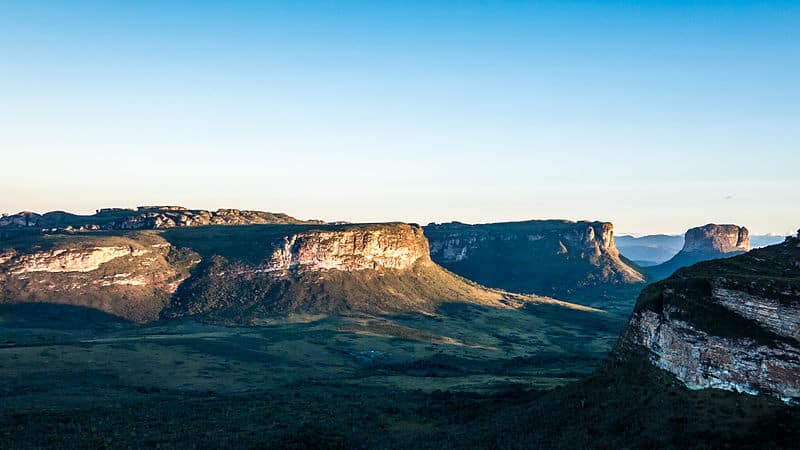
column 368, row 268
column 132, row 277
column 731, row 324
column 704, row 243
column 237, row 274
column 548, row 257
column 396, row 247
column 714, row 238
column 144, row 217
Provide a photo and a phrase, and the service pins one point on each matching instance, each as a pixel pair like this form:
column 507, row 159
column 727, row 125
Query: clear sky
column 657, row 116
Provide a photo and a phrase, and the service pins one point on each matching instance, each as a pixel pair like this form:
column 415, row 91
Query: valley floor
column 465, row 377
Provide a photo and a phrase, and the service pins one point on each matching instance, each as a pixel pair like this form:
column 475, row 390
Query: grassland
column 467, row 377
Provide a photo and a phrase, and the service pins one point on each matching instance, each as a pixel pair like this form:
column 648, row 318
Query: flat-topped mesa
column 710, row 241
column 713, row 238
column 730, row 324
column 385, row 246
column 548, row 257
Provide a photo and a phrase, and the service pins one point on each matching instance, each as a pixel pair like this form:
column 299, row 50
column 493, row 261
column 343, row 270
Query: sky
column 656, row 116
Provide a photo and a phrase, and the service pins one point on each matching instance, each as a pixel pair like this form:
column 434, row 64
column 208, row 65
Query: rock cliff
column 730, row 324
column 548, row 257
column 717, row 238
column 129, row 276
column 238, row 274
column 395, row 247
column 341, row 269
column 710, row 241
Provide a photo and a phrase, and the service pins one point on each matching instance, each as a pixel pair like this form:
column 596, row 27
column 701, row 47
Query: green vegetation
column 349, row 383
column 771, row 272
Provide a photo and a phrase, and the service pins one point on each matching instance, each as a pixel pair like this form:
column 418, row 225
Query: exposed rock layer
column 732, row 324
column 717, row 238
column 702, row 244
column 129, row 276
column 395, row 247
column 238, row 274
column 549, row 257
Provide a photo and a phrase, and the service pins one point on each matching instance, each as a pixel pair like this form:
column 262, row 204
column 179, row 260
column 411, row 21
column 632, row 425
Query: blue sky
column 657, row 116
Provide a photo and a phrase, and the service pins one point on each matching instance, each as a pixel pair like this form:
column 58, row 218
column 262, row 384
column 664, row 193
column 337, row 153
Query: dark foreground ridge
column 731, row 323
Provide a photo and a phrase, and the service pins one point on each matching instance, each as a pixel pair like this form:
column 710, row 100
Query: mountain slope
column 732, row 323
column 547, row 257
column 238, row 274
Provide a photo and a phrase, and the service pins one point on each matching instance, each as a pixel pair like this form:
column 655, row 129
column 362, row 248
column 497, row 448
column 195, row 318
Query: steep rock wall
column 549, row 257
column 731, row 324
column 397, row 246
column 131, row 277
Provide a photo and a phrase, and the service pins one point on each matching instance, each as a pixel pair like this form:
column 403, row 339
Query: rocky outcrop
column 341, row 269
column 67, row 259
column 239, row 275
column 144, row 217
column 131, row 276
column 394, row 246
column 714, row 238
column 549, row 257
column 702, row 244
column 731, row 324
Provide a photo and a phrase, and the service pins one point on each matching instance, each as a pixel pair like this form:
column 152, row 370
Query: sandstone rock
column 702, row 244
column 131, row 277
column 66, row 260
column 731, row 324
column 397, row 246
column 714, row 238
column 548, row 257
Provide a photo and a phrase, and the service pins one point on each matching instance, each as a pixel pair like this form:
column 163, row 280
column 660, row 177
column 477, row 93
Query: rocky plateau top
column 144, row 217
column 714, row 238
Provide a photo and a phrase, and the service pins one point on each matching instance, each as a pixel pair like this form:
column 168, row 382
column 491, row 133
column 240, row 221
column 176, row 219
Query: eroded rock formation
column 132, row 277
column 714, row 238
column 731, row 324
column 239, row 274
column 397, row 246
column 710, row 241
column 549, row 257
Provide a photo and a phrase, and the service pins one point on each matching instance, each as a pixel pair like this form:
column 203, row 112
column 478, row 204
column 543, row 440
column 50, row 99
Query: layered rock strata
column 549, row 257
column 730, row 324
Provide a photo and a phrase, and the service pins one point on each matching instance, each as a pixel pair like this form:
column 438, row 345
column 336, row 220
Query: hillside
column 334, row 384
column 549, row 257
column 710, row 241
column 237, row 274
column 731, row 324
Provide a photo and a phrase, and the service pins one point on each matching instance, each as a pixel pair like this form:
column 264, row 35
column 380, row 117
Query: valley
column 314, row 335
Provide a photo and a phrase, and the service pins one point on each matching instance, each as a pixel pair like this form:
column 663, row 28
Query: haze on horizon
column 656, row 117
